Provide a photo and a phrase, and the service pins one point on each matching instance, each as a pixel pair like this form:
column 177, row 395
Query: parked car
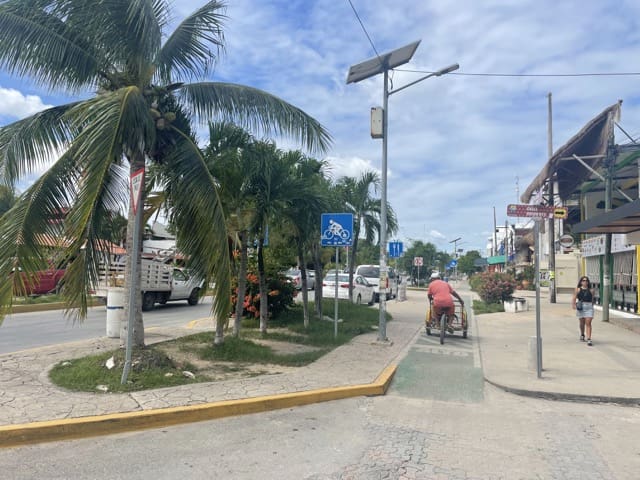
column 295, row 276
column 43, row 282
column 372, row 274
column 363, row 291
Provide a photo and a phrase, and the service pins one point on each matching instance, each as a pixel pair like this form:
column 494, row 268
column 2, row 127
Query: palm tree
column 358, row 200
column 272, row 186
column 141, row 114
column 229, row 161
column 302, row 213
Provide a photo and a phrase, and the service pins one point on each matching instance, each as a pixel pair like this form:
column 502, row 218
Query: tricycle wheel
column 428, row 331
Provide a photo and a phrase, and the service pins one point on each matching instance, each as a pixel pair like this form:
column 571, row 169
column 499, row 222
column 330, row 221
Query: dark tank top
column 585, row 295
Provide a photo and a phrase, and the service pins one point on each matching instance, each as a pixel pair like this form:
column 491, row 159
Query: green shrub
column 280, row 294
column 493, row 287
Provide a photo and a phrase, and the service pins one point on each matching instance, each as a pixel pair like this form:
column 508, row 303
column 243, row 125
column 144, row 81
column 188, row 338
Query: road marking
column 442, row 351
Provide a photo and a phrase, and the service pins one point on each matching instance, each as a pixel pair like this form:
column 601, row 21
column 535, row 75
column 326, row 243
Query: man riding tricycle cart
column 446, row 311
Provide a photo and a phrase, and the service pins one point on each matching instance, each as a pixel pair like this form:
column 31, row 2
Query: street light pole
column 382, row 64
column 382, row 299
column 455, row 256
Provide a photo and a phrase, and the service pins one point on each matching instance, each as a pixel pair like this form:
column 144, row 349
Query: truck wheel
column 194, row 297
column 148, row 301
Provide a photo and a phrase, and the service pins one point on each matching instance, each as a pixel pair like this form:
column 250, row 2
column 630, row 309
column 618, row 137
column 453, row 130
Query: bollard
column 533, row 356
column 115, row 310
column 402, row 292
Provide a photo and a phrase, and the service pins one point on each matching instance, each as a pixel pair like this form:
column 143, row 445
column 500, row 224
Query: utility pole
column 552, row 221
column 494, row 244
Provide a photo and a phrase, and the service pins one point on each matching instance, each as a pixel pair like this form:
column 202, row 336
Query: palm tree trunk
column 319, row 275
column 264, row 306
column 242, row 283
column 134, row 284
column 303, row 278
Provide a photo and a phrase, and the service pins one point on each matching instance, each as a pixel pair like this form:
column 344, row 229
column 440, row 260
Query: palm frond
column 111, row 122
column 31, row 143
column 23, row 227
column 255, row 110
column 187, row 52
column 38, row 40
column 198, row 216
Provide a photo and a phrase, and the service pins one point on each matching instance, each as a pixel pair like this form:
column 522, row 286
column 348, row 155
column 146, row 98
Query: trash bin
column 115, row 311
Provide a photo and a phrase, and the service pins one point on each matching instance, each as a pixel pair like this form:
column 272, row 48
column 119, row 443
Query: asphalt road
column 22, row 331
column 437, row 421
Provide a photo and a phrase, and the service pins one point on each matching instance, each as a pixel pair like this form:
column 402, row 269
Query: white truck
column 372, row 274
column 161, row 281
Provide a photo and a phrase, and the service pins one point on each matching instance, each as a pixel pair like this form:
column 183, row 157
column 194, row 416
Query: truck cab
column 184, row 286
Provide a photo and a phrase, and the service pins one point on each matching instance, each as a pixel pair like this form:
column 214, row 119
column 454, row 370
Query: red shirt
column 441, row 292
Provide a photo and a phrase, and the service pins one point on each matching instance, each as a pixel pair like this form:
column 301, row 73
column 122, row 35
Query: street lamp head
column 449, row 69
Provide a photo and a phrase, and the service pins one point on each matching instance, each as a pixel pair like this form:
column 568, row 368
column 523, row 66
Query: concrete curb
column 567, row 397
column 56, row 430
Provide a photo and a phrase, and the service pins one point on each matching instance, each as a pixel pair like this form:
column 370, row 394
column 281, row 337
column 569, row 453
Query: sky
column 460, row 146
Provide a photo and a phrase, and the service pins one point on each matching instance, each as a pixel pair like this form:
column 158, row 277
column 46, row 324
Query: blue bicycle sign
column 336, row 229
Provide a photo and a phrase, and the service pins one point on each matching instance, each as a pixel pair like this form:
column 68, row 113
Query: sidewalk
column 32, row 409
column 609, row 371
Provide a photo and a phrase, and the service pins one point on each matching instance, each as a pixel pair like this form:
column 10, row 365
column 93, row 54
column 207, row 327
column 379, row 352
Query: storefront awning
column 624, row 219
column 590, row 142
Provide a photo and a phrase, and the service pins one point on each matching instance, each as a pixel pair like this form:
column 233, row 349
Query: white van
column 372, row 274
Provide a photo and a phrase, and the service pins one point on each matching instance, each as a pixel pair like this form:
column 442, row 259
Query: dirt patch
column 220, row 370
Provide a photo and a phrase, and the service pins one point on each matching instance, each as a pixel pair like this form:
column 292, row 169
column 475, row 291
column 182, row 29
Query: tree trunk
column 319, row 275
column 134, row 284
column 242, row 283
column 264, row 305
column 352, row 260
column 305, row 286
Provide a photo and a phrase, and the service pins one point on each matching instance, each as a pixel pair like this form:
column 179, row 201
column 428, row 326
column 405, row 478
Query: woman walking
column 582, row 303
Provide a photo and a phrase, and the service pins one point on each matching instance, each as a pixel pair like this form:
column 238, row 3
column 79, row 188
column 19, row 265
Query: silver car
column 363, row 291
column 295, row 276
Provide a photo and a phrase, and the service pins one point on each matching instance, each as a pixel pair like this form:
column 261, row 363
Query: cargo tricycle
column 447, row 323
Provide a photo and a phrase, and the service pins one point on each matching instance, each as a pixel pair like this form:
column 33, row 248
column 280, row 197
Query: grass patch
column 480, row 307
column 150, row 368
column 286, row 343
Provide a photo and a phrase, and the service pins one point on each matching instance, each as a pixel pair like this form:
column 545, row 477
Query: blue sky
column 459, row 145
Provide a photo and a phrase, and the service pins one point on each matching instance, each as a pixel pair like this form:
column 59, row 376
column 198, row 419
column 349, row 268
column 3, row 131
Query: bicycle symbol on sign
column 335, row 230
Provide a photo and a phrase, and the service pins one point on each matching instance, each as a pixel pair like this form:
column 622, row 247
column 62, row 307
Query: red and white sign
column 417, row 261
column 136, row 188
column 536, row 211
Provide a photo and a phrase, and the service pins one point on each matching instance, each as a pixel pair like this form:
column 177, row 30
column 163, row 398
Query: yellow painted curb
column 56, row 430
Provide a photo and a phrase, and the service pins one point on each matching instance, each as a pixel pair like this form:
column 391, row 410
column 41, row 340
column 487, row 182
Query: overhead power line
column 363, row 28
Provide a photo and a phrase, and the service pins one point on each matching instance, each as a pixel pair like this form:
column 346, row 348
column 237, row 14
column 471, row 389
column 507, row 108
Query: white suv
column 372, row 274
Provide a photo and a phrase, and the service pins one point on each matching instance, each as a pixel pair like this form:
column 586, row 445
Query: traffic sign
column 336, row 230
column 453, row 263
column 535, row 211
column 566, row 240
column 560, row 212
column 136, row 187
column 395, row 249
column 417, row 261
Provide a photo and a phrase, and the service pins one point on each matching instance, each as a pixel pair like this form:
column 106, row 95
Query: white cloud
column 15, row 105
column 456, row 143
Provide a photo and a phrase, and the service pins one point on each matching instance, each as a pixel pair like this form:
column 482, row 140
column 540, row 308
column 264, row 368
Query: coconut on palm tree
column 141, row 113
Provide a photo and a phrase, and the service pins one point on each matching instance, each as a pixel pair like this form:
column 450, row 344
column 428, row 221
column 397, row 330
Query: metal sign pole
column 536, row 240
column 335, row 307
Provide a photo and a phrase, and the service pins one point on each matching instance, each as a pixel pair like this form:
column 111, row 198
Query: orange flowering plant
column 280, row 295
